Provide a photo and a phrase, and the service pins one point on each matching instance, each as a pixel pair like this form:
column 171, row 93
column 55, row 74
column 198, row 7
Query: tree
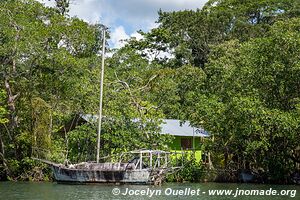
column 132, row 118
column 3, row 120
column 62, row 6
column 48, row 70
column 231, row 67
column 251, row 106
column 189, row 35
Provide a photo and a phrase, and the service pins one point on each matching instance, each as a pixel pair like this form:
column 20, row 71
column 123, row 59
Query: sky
column 125, row 17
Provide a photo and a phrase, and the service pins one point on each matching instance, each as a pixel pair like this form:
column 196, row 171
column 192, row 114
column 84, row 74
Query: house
column 187, row 137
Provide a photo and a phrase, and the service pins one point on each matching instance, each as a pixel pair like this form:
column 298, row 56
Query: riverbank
column 192, row 174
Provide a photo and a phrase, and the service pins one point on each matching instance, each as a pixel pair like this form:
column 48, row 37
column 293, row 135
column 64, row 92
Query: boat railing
column 153, row 159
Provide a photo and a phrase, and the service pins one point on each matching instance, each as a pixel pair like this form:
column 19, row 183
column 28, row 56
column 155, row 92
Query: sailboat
column 143, row 166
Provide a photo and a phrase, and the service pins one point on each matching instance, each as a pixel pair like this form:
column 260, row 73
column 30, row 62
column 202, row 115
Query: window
column 186, row 143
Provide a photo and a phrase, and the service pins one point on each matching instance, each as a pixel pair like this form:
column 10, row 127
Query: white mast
column 101, row 97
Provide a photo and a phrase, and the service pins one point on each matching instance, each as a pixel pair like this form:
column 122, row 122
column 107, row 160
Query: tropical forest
column 231, row 67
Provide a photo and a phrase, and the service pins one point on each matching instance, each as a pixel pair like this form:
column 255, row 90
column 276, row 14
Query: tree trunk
column 11, row 105
column 2, row 156
column 13, row 119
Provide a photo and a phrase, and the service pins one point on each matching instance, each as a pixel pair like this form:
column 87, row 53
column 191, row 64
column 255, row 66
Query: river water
column 44, row 190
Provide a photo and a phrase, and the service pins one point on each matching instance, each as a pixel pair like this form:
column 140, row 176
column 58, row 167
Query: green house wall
column 176, row 146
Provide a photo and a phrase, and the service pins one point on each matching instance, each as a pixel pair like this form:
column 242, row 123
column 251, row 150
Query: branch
column 126, row 85
column 8, row 132
column 133, row 98
column 151, row 79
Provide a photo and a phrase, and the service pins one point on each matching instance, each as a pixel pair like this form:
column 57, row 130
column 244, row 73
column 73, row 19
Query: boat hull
column 101, row 176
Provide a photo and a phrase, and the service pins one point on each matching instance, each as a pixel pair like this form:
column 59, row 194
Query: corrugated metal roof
column 169, row 126
column 178, row 128
column 90, row 118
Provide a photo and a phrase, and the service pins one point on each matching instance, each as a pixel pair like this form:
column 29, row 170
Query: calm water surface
column 37, row 191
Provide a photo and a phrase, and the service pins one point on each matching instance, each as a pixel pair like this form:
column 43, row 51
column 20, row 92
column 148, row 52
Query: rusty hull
column 101, row 174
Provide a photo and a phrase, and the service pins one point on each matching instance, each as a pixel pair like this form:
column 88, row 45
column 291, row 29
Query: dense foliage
column 50, row 73
column 246, row 90
column 232, row 67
